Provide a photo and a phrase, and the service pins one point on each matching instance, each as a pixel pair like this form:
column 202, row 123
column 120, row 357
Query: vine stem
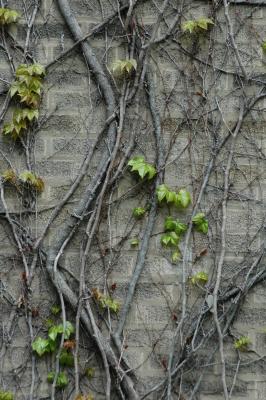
column 223, row 248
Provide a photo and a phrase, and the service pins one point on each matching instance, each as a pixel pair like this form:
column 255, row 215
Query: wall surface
column 204, row 93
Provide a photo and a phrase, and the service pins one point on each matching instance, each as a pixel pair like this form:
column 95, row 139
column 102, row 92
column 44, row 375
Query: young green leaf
column 31, row 179
column 139, row 212
column 170, row 239
column 111, row 304
column 134, row 242
column 9, row 176
column 7, row 16
column 90, row 372
column 162, row 191
column 25, row 113
column 14, row 129
column 69, row 329
column 66, row 359
column 61, row 381
column 176, row 256
column 204, row 23
column 41, row 346
column 192, row 26
column 143, row 169
column 84, row 397
column 183, row 198
column 171, row 197
column 174, row 225
column 263, row 46
column 200, row 223
column 189, row 26
column 55, row 309
column 6, row 395
column 50, row 377
column 54, row 331
column 124, row 67
column 200, row 278
column 242, row 343
column 30, row 70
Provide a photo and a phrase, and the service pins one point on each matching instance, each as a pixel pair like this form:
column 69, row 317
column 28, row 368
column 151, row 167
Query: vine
column 146, row 139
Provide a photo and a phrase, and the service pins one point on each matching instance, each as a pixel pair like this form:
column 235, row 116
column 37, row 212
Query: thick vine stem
column 147, row 231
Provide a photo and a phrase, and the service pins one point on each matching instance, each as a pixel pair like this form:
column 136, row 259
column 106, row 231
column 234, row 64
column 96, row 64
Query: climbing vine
column 131, row 207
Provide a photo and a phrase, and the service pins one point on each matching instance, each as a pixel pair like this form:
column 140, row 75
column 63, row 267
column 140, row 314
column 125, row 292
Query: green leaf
column 242, row 343
column 61, row 381
column 171, row 197
column 9, row 176
column 183, row 198
column 69, row 329
column 124, row 67
column 138, row 212
column 7, row 16
column 204, row 23
column 6, row 395
column 201, row 223
column 30, row 70
column 169, row 224
column 170, row 239
column 50, row 377
column 14, row 88
column 263, row 46
column 52, row 345
column 53, row 332
column 200, row 278
column 174, row 225
column 21, row 114
column 90, row 372
column 194, row 25
column 143, row 169
column 55, row 309
column 108, row 302
column 31, row 179
column 162, row 191
column 41, row 346
column 189, row 26
column 176, row 256
column 66, row 359
column 134, row 242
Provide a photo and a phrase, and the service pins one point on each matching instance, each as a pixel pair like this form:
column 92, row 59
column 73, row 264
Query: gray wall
column 199, row 91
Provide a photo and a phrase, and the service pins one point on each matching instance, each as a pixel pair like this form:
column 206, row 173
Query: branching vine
column 132, row 198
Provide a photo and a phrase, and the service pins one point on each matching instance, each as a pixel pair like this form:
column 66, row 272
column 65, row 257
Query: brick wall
column 196, row 100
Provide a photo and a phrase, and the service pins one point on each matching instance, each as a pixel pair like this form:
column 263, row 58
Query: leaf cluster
column 142, row 168
column 200, row 278
column 134, row 242
column 171, row 238
column 48, row 345
column 84, row 397
column 196, row 25
column 139, row 212
column 200, row 223
column 242, row 343
column 28, row 84
column 124, row 68
column 6, row 395
column 61, row 380
column 20, row 121
column 180, row 199
column 7, row 16
column 27, row 87
column 105, row 302
column 25, row 178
